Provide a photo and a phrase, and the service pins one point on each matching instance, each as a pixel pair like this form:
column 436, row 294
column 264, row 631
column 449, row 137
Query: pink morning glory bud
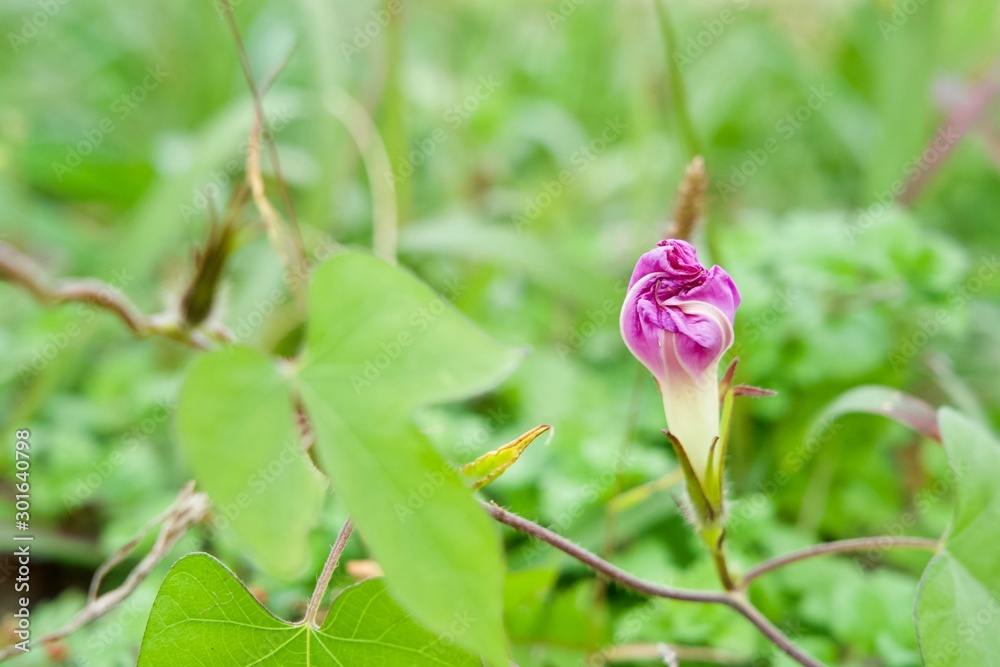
column 678, row 321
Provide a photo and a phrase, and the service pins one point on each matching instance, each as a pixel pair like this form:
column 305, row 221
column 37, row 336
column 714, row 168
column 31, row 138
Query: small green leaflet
column 491, row 465
column 958, row 602
column 204, row 617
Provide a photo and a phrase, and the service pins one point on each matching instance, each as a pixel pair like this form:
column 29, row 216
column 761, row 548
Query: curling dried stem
column 21, row 270
column 188, row 509
column 287, row 243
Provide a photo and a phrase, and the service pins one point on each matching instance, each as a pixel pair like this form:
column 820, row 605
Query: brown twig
column 840, row 547
column 259, row 110
column 595, row 562
column 19, row 269
column 126, row 549
column 283, row 246
column 734, row 600
column 324, row 578
column 261, row 131
column 188, row 509
column 771, row 631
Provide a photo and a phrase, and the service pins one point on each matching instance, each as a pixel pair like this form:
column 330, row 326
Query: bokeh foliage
column 489, row 104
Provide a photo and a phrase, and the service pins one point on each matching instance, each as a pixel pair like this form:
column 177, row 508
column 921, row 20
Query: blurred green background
column 537, row 148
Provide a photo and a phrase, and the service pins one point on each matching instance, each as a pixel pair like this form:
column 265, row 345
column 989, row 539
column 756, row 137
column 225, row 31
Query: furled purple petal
column 671, row 292
column 718, row 290
column 678, row 260
column 705, row 335
column 637, row 318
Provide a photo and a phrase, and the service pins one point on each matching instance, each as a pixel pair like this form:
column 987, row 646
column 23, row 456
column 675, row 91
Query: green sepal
column 706, row 513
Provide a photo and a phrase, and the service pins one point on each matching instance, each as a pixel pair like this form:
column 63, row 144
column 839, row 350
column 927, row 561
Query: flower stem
column 714, row 537
column 840, row 547
column 597, row 563
column 771, row 631
column 719, row 558
column 733, row 599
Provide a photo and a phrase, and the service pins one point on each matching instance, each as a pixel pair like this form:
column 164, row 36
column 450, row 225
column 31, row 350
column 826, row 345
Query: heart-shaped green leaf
column 204, row 617
column 958, row 603
column 491, row 465
column 381, row 344
column 237, row 428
